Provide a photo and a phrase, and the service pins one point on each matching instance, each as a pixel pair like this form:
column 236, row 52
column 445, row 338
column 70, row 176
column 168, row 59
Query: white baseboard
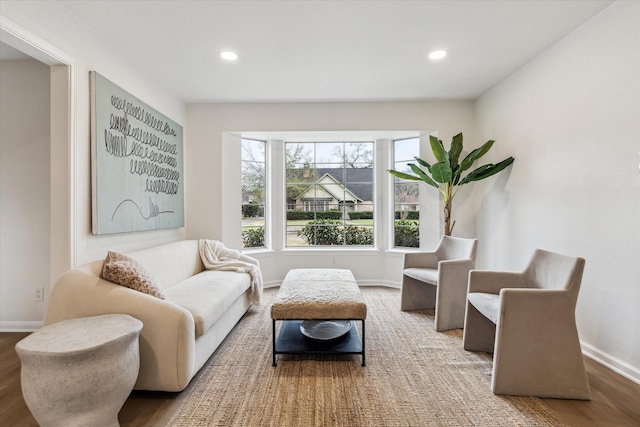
column 386, row 283
column 19, row 326
column 383, row 283
column 621, row 367
column 271, row 284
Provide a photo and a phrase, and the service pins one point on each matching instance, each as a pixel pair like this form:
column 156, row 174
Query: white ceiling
column 331, row 50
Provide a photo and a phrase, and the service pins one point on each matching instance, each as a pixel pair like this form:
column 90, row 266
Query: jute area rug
column 414, row 376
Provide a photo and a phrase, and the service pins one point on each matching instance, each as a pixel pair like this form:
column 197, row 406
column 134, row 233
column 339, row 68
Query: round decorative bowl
column 325, row 330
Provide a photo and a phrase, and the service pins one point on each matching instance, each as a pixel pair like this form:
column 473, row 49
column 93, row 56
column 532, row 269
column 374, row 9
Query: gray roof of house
column 358, row 180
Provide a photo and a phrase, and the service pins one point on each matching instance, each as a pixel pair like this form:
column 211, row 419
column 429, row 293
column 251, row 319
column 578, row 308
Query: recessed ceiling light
column 229, row 56
column 438, row 54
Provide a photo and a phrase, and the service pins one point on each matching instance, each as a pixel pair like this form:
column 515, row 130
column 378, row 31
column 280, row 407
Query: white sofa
column 181, row 332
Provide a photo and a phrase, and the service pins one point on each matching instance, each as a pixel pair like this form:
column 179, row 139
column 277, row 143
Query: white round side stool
column 79, row 372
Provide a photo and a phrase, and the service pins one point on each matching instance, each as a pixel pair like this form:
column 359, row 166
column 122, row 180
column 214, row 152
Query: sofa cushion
column 208, row 295
column 122, row 270
column 171, row 263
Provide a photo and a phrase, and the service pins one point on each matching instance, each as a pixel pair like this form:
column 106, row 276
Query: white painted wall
column 571, row 119
column 213, row 174
column 24, row 188
column 49, row 21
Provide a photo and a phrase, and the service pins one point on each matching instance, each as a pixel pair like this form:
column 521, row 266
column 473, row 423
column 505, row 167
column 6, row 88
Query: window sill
column 396, row 252
column 259, row 253
column 330, row 250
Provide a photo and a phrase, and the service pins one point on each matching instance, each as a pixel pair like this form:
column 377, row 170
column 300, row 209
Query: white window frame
column 265, row 206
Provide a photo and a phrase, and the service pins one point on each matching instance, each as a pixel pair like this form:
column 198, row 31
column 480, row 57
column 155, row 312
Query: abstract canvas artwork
column 137, row 163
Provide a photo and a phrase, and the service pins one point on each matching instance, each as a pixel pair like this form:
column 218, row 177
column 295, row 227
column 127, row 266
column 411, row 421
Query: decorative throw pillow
column 121, row 269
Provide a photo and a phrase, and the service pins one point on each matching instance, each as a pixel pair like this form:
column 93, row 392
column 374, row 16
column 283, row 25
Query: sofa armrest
column 492, row 281
column 167, row 339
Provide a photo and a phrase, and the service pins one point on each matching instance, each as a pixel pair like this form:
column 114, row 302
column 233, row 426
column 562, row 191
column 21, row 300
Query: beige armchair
column 527, row 320
column 439, row 279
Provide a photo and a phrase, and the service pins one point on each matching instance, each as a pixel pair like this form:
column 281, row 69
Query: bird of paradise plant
column 446, row 174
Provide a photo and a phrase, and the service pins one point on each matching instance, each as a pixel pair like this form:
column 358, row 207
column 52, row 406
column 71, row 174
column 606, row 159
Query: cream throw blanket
column 216, row 256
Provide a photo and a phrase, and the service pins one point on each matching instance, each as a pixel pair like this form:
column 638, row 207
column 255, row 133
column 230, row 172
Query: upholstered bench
column 318, row 294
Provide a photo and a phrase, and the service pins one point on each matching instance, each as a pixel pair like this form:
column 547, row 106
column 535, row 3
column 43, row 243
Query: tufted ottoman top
column 319, row 293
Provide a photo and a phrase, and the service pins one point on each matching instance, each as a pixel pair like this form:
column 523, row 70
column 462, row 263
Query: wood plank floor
column 615, row 399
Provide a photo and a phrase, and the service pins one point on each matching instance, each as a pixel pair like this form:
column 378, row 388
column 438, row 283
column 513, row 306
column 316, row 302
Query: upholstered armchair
column 527, row 320
column 439, row 279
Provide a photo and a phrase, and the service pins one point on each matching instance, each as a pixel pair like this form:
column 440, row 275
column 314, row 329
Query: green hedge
column 407, row 234
column 253, row 237
column 410, row 214
column 361, row 215
column 369, row 215
column 302, row 215
column 358, row 235
column 329, row 232
column 250, row 209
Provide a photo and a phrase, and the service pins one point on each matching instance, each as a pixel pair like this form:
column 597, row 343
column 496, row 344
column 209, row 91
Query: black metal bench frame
column 291, row 340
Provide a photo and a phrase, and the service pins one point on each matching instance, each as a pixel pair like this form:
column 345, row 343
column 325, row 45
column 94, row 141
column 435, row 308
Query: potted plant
column 447, row 172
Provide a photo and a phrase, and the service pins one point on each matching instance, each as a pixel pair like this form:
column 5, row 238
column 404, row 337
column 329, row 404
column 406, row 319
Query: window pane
column 404, row 167
column 406, row 195
column 328, row 185
column 406, row 149
column 329, row 154
column 254, row 184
